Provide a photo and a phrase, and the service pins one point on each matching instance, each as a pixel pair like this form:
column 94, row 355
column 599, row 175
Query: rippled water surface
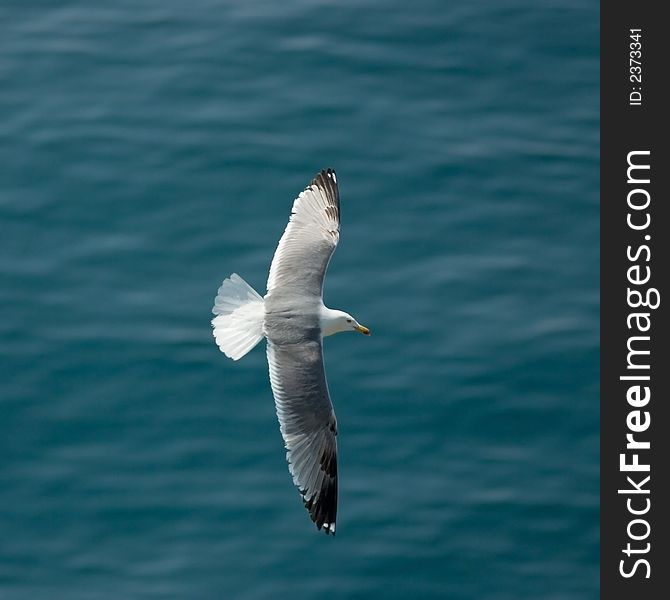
column 149, row 149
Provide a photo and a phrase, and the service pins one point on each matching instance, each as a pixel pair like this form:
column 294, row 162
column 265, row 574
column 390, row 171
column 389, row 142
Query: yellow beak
column 363, row 330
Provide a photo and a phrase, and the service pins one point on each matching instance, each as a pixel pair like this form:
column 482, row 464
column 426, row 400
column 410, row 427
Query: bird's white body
column 240, row 317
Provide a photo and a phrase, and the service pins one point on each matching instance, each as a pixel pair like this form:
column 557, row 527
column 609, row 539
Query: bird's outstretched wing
column 309, row 240
column 308, row 425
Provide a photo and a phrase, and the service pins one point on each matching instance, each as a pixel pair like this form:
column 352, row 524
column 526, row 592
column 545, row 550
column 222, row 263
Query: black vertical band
column 635, row 334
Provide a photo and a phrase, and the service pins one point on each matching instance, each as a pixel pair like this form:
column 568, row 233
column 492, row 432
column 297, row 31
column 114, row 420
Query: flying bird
column 294, row 320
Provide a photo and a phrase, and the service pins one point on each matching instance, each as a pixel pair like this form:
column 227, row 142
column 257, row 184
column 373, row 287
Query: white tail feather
column 238, row 326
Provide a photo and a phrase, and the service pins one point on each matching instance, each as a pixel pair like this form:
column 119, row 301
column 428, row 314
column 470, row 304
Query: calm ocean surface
column 147, row 150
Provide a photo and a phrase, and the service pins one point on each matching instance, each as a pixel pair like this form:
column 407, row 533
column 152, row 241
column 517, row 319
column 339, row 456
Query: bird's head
column 337, row 321
column 353, row 324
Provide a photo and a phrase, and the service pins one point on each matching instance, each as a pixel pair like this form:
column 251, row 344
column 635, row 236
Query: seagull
column 294, row 320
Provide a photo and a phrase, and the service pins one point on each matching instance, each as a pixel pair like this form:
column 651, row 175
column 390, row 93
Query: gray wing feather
column 307, row 424
column 299, row 265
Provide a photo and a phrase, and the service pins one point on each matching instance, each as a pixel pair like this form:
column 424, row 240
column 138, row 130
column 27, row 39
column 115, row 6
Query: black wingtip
column 326, row 180
column 322, row 507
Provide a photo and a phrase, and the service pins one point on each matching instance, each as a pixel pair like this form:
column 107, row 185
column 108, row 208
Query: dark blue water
column 149, row 149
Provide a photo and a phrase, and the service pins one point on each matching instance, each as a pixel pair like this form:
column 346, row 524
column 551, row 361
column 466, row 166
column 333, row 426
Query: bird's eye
column 348, row 320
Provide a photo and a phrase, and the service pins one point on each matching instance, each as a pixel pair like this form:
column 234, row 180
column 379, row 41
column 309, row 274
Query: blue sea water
column 148, row 149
